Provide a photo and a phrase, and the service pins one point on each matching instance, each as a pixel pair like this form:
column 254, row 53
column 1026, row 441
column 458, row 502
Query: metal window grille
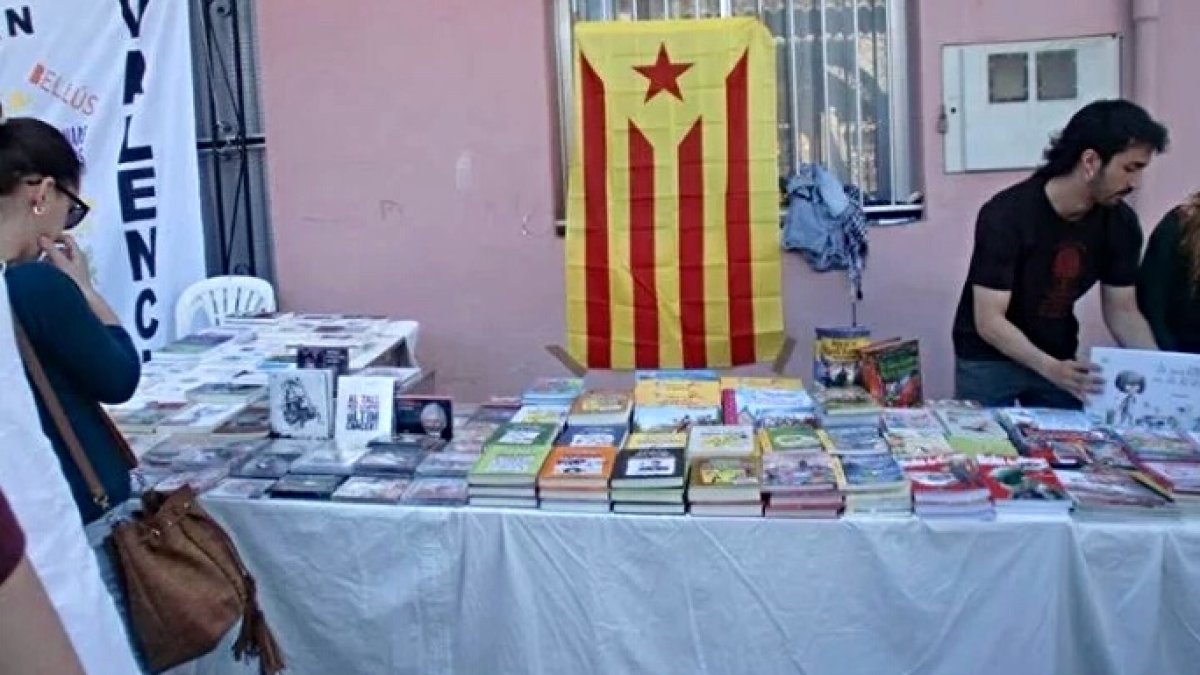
column 843, row 93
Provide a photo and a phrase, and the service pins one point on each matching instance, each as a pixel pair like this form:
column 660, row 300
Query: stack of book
column 948, row 487
column 507, row 471
column 1105, row 493
column 601, row 408
column 649, row 474
column 875, row 485
column 1023, row 487
column 972, row 430
column 847, row 406
column 766, row 402
column 560, row 391
column 792, row 439
column 800, row 484
column 725, row 486
column 576, row 476
column 663, row 403
column 721, row 440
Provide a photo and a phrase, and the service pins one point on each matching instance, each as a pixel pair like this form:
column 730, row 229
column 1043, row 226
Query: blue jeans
column 98, row 534
column 1001, row 384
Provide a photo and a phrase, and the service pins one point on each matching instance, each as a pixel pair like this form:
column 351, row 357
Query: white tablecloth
column 365, row 589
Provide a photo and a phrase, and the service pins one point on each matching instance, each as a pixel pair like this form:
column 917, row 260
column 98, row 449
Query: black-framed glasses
column 78, row 209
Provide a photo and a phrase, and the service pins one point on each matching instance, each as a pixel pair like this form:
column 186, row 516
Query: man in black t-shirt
column 1040, row 245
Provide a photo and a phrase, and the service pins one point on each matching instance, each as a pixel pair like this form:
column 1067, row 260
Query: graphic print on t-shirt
column 1066, row 270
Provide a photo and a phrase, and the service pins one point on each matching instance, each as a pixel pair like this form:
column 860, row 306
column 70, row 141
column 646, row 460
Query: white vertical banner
column 116, row 77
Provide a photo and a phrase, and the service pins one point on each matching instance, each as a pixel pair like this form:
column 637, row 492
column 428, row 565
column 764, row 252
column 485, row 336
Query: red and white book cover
column 1022, row 479
column 945, row 480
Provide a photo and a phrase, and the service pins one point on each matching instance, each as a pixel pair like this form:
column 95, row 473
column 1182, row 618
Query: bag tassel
column 255, row 640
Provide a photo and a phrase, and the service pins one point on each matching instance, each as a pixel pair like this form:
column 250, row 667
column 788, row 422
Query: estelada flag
column 672, row 250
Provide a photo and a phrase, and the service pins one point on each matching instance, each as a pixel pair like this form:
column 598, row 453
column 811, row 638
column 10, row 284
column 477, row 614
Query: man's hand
column 1078, row 378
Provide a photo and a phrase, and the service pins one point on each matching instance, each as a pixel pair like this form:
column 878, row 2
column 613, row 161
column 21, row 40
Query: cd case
column 306, row 486
column 371, row 490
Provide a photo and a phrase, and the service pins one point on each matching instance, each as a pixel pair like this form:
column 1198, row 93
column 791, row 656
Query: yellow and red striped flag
column 672, row 250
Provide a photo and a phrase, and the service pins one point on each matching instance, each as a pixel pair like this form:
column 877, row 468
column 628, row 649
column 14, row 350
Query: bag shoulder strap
column 54, row 407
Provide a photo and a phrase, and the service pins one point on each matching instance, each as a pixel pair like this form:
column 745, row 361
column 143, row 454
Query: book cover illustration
column 1162, row 446
column 447, row 464
column 1096, row 486
column 603, row 403
column 302, row 403
column 437, row 491
column 539, row 413
column 650, row 463
column 1021, row 479
column 511, row 461
column 332, row 358
column 784, row 439
column 584, row 467
column 306, row 486
column 798, row 470
column 846, row 400
column 835, row 355
column 721, row 440
column 769, row 407
column 938, row 478
column 726, row 472
column 912, row 421
column 364, row 409
column 200, row 418
column 592, row 437
column 371, row 490
column 891, row 372
column 1147, row 390
column 431, row 415
column 523, row 436
column 241, row 488
column 877, row 471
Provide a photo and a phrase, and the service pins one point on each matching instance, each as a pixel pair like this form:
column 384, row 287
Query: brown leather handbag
column 184, row 580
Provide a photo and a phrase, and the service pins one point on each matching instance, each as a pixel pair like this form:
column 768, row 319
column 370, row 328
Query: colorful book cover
column 912, row 420
column 1147, row 390
column 722, row 472
column 603, row 403
column 664, row 467
column 891, row 372
column 785, row 439
column 647, row 440
column 1011, row 479
column 592, row 437
column 835, row 355
column 945, row 479
column 510, row 461
column 567, row 466
column 520, row 436
column 721, row 440
column 432, row 415
column 878, row 471
column 798, row 470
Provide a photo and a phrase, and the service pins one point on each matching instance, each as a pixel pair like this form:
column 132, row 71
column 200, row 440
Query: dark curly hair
column 1107, row 127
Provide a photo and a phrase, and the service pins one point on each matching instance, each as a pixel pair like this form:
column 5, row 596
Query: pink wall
column 411, row 170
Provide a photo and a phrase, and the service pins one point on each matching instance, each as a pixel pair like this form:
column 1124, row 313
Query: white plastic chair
column 220, row 297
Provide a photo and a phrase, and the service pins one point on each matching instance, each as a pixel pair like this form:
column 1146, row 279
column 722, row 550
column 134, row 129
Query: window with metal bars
column 843, row 85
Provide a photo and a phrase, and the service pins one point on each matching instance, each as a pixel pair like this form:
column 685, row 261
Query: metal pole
column 857, row 169
column 826, row 144
column 793, row 90
column 243, row 149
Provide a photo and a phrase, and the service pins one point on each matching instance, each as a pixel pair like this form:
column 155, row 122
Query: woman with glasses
column 87, row 357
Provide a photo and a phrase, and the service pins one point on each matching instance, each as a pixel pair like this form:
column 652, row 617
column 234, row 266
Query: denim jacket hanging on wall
column 826, row 224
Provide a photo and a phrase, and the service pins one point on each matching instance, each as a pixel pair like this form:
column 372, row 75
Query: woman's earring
column 38, row 209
